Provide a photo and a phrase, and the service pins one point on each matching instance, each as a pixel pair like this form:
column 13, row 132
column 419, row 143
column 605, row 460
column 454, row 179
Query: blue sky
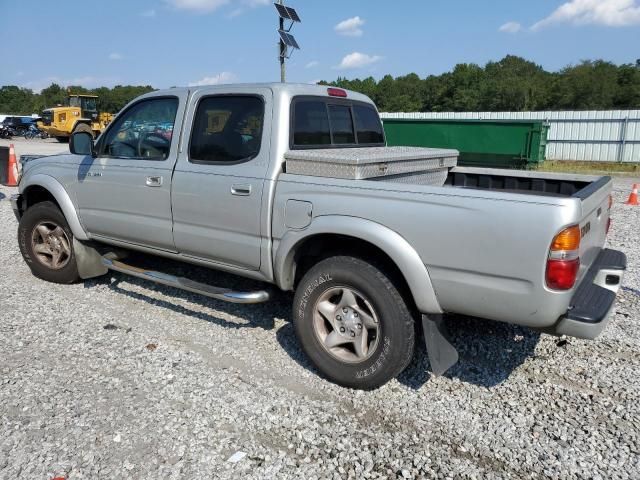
column 179, row 42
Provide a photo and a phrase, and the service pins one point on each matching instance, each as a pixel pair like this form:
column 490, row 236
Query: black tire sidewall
column 396, row 335
column 45, row 211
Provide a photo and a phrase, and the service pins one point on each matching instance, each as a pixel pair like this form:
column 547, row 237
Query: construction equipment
column 81, row 113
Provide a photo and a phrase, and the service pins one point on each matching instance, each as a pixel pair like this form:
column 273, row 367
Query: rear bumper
column 595, row 297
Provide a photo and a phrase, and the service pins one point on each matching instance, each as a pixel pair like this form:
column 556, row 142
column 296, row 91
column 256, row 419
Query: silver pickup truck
column 293, row 185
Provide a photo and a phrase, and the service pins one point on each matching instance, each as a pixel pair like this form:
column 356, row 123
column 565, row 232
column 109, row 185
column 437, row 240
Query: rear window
column 324, row 123
column 368, row 124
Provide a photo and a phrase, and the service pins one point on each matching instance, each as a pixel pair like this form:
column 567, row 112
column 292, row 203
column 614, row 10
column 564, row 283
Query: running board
column 224, row 294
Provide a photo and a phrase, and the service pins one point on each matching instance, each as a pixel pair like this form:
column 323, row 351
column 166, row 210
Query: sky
column 167, row 43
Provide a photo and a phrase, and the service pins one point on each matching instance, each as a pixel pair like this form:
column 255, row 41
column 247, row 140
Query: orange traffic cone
column 12, row 170
column 633, row 198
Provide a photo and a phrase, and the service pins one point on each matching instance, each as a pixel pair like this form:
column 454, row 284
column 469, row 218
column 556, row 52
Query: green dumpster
column 482, row 143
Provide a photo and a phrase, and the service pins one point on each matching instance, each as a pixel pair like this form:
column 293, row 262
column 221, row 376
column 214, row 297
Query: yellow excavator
column 80, row 114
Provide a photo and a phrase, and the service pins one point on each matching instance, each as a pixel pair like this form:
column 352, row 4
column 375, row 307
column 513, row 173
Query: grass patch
column 595, row 168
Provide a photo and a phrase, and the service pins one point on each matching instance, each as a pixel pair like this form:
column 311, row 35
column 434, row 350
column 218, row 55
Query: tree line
column 511, row 84
column 22, row 101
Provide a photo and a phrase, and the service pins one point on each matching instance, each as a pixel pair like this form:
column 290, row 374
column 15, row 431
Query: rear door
column 125, row 193
column 219, row 178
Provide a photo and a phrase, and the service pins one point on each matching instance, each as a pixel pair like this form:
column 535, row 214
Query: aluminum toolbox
column 426, row 166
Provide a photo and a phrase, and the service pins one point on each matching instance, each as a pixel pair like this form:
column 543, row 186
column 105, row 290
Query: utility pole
column 287, row 42
column 283, row 49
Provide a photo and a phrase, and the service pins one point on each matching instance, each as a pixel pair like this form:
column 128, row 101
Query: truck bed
column 525, row 182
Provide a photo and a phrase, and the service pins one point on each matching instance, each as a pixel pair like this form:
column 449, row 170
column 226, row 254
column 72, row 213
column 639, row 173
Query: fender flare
column 56, row 189
column 393, row 244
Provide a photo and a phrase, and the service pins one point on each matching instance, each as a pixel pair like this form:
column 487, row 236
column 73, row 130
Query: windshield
column 89, row 104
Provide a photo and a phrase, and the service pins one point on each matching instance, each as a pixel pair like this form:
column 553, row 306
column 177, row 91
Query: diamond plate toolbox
column 374, row 163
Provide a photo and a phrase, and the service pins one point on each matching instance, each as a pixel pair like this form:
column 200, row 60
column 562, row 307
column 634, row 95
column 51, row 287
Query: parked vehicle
column 5, row 132
column 293, row 185
column 18, row 125
column 32, row 132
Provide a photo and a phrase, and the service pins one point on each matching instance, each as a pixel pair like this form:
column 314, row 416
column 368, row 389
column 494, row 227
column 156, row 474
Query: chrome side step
column 218, row 293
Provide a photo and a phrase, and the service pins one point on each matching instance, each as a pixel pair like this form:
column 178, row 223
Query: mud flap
column 442, row 355
column 88, row 259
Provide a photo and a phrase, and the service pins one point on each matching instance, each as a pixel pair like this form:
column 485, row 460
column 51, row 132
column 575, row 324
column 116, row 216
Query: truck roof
column 289, row 89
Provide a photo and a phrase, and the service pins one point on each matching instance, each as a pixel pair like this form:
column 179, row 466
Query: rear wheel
column 353, row 323
column 46, row 244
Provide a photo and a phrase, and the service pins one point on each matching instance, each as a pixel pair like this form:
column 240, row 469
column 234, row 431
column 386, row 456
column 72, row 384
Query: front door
column 219, row 178
column 124, row 194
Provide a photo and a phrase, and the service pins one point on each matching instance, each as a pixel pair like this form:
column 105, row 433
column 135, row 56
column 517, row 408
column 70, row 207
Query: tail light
column 608, row 225
column 563, row 263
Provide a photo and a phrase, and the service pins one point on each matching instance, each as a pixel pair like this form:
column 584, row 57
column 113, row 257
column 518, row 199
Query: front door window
column 144, row 131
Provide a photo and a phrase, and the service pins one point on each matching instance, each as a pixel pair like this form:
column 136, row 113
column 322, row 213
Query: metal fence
column 604, row 136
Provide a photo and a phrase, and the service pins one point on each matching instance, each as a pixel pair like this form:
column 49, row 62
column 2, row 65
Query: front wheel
column 46, row 243
column 352, row 323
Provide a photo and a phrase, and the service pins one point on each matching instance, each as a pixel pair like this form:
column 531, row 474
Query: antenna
column 287, row 43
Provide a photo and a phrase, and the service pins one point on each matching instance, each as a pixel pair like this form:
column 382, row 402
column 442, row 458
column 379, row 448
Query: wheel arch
column 40, row 187
column 366, row 238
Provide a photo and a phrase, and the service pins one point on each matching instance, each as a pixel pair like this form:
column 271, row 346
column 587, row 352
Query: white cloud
column 312, row 64
column 351, row 27
column 247, row 5
column 608, row 13
column 115, row 56
column 357, row 60
column 198, row 6
column 149, row 13
column 511, row 27
column 208, row 6
column 220, row 78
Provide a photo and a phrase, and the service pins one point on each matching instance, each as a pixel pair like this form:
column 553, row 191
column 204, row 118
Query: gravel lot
column 118, row 378
column 36, row 146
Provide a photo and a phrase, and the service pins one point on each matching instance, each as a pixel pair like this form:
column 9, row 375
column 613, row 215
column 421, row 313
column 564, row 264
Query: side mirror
column 81, row 143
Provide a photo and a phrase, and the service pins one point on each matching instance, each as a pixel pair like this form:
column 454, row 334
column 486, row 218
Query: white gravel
column 181, row 386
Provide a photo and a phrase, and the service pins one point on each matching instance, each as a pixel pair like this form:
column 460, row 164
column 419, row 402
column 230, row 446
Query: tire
column 83, row 127
column 53, row 260
column 390, row 336
column 62, row 139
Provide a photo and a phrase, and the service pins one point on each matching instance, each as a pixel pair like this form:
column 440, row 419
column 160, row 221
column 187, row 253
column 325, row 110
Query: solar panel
column 282, row 11
column 288, row 39
column 293, row 15
column 287, row 13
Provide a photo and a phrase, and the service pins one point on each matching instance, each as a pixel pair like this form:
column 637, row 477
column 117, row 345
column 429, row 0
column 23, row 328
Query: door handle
column 241, row 190
column 154, row 181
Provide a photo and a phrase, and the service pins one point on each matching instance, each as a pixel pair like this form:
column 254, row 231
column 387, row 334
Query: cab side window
column 144, row 131
column 227, row 129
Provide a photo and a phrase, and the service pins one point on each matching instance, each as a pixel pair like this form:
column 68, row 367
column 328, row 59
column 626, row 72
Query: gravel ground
column 118, row 378
column 35, row 146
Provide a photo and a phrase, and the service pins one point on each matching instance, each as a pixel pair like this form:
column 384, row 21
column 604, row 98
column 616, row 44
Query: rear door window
column 227, row 129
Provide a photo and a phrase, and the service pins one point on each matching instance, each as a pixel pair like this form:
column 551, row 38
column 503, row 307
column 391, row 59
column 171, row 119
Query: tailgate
column 595, row 217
